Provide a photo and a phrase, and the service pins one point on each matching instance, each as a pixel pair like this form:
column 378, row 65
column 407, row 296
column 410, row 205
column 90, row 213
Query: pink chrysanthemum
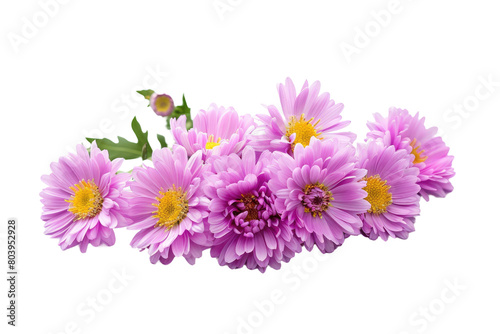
column 391, row 184
column 83, row 201
column 320, row 192
column 431, row 154
column 216, row 131
column 248, row 230
column 306, row 115
column 167, row 205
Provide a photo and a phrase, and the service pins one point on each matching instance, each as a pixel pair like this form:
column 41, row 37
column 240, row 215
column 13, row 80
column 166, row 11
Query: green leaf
column 145, row 152
column 181, row 110
column 146, row 93
column 124, row 148
column 162, row 141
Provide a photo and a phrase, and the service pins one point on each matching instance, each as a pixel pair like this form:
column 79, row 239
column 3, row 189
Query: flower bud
column 162, row 104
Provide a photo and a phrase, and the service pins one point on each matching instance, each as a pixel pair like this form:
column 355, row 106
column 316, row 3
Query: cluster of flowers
column 253, row 193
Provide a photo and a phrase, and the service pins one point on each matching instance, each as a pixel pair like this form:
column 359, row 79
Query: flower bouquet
column 253, row 192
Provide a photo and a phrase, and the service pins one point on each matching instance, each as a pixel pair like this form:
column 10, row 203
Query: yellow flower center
column 378, row 194
column 172, row 207
column 162, row 103
column 86, row 202
column 211, row 143
column 419, row 155
column 303, row 130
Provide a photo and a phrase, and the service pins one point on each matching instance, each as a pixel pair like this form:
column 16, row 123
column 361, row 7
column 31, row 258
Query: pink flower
column 248, row 230
column 83, row 201
column 320, row 192
column 162, row 104
column 168, row 207
column 306, row 115
column 430, row 152
column 391, row 184
column 216, row 131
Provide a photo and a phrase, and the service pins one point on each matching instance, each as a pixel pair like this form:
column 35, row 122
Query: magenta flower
column 248, row 230
column 216, row 131
column 162, row 104
column 320, row 192
column 306, row 115
column 168, row 207
column 391, row 184
column 83, row 201
column 430, row 152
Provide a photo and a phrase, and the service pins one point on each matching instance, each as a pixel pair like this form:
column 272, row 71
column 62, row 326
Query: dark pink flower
column 248, row 230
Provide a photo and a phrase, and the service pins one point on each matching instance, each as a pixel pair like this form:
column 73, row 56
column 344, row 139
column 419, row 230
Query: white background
column 73, row 77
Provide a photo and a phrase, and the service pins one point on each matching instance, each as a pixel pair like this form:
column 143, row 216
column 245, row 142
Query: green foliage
column 162, row 141
column 124, row 148
column 181, row 110
column 146, row 93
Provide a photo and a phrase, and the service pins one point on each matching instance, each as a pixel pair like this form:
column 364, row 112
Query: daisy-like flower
column 305, row 115
column 216, row 131
column 391, row 184
column 320, row 192
column 167, row 205
column 248, row 231
column 162, row 104
column 431, row 154
column 83, row 201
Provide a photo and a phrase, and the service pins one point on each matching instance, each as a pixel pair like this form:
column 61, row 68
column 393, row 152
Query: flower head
column 167, row 205
column 430, row 152
column 162, row 104
column 248, row 231
column 216, row 131
column 391, row 185
column 303, row 117
column 83, row 201
column 320, row 192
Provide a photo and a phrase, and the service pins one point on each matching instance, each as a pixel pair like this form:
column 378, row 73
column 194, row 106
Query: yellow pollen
column 378, row 194
column 172, row 207
column 162, row 103
column 303, row 130
column 211, row 143
column 419, row 155
column 86, row 202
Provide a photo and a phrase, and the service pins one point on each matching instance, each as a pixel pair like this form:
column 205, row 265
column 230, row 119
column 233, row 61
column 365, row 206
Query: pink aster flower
column 162, row 104
column 431, row 154
column 248, row 230
column 320, row 192
column 167, row 205
column 83, row 201
column 306, row 115
column 216, row 131
column 391, row 184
